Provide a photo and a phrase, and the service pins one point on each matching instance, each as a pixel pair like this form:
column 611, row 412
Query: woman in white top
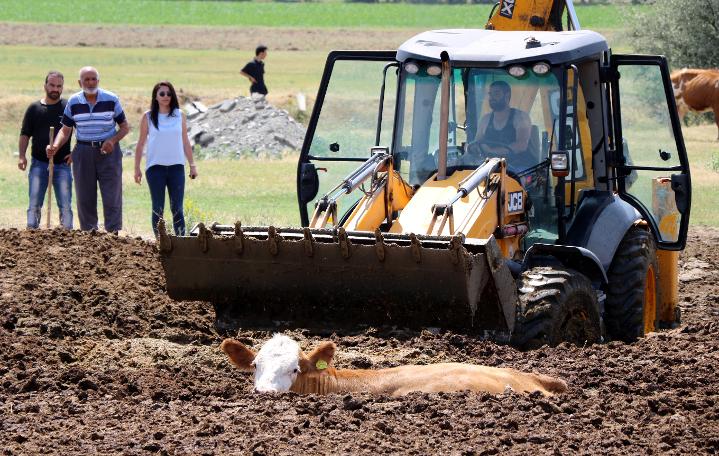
column 164, row 129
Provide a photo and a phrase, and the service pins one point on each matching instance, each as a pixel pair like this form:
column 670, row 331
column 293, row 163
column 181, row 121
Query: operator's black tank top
column 506, row 135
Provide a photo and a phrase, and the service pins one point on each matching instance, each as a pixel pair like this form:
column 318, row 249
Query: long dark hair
column 155, row 108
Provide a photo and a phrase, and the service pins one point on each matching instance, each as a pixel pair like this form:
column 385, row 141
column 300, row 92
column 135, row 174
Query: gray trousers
column 90, row 168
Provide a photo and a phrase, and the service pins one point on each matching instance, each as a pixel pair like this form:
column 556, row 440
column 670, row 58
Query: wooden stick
column 50, row 169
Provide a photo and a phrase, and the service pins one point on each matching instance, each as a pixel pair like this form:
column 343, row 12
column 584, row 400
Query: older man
column 39, row 117
column 96, row 158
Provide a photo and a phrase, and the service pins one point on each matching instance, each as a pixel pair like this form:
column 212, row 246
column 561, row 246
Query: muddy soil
column 96, row 359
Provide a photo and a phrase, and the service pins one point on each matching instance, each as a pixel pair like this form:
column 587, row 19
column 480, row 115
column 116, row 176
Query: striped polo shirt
column 93, row 122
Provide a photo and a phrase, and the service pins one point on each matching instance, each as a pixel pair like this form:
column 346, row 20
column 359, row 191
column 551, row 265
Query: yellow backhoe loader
column 503, row 181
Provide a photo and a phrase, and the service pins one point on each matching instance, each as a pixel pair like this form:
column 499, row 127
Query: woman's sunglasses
column 164, row 94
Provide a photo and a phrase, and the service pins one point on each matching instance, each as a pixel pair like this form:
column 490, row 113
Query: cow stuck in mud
column 281, row 365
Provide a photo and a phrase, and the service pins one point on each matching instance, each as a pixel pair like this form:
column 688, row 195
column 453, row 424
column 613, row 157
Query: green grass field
column 270, row 14
column 254, row 192
column 130, row 71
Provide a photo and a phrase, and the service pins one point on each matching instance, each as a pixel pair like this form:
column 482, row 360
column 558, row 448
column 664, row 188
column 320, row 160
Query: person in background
column 255, row 72
column 164, row 129
column 39, row 117
column 96, row 158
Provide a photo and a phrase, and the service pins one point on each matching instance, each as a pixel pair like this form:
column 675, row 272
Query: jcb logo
column 516, row 202
column 507, row 8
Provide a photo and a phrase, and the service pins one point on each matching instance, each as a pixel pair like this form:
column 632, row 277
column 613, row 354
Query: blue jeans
column 173, row 178
column 62, row 186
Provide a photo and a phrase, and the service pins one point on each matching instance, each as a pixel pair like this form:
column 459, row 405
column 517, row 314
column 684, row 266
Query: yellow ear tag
column 321, row 364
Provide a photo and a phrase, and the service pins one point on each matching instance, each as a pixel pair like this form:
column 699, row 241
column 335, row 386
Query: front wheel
column 556, row 305
column 631, row 305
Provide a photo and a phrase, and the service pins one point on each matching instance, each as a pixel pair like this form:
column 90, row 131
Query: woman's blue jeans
column 171, row 178
column 62, row 186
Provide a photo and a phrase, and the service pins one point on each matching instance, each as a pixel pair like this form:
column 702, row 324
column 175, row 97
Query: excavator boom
column 532, row 15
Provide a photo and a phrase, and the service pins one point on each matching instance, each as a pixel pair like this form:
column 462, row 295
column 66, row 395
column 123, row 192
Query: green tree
column 686, row 31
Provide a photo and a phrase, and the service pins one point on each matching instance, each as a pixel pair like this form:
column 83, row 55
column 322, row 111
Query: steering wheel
column 480, row 148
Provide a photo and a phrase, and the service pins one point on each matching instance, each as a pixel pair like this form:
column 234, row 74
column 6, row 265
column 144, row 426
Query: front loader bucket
column 260, row 275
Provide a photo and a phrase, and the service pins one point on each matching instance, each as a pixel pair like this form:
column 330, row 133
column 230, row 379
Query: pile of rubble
column 242, row 127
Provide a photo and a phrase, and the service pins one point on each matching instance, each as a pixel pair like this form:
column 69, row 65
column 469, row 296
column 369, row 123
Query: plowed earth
column 96, row 359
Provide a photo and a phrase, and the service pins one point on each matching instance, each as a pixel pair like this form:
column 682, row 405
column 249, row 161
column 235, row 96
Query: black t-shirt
column 36, row 124
column 256, row 69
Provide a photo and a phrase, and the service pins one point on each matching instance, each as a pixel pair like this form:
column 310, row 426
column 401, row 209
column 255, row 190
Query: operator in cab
column 505, row 131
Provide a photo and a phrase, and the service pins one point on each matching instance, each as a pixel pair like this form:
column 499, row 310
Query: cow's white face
column 277, row 364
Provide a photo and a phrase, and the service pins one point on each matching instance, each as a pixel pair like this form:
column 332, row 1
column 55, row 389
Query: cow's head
column 279, row 362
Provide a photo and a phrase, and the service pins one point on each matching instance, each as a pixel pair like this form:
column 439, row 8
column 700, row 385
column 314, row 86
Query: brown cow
column 281, row 365
column 696, row 90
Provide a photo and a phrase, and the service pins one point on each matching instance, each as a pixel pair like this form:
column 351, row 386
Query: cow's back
column 686, row 74
column 448, row 377
column 702, row 92
column 695, row 89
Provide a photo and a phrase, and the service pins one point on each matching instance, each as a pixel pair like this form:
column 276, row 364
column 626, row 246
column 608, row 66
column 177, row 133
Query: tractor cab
column 532, row 98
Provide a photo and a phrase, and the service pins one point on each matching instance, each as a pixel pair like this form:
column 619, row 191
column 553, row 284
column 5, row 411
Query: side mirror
column 559, row 163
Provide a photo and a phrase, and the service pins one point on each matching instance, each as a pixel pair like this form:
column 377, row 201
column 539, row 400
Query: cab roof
column 501, row 48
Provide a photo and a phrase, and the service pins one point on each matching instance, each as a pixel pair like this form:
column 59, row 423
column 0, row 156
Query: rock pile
column 243, row 127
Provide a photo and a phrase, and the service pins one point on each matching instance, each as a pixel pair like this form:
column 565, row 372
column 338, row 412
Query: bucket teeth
column 416, row 248
column 273, row 240
column 239, row 238
column 203, row 237
column 309, row 242
column 455, row 249
column 344, row 242
column 165, row 241
column 379, row 245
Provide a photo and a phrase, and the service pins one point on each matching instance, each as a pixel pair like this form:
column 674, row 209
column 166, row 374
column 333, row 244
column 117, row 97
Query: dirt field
column 188, row 37
column 95, row 359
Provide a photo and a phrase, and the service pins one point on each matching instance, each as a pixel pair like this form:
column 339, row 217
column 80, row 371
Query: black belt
column 97, row 144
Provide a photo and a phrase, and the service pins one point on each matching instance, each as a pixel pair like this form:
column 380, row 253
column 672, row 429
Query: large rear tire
column 556, row 305
column 631, row 305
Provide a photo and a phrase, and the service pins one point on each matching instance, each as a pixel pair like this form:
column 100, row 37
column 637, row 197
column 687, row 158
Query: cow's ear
column 321, row 357
column 239, row 354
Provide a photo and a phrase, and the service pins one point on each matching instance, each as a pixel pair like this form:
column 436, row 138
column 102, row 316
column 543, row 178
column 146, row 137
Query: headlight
column 560, row 163
column 411, row 68
column 541, row 68
column 517, row 71
column 434, row 70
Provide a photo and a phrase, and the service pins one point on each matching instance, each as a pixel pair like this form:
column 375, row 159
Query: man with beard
column 505, row 131
column 39, row 117
column 96, row 158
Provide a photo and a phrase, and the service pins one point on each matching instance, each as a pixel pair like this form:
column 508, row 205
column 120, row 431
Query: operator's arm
column 482, row 128
column 523, row 128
